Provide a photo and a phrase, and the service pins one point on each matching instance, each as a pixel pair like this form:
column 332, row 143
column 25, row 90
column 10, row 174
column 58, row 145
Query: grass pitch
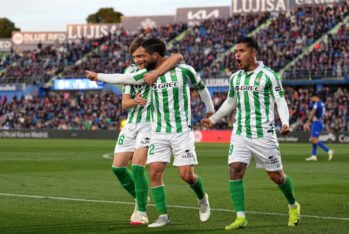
column 67, row 186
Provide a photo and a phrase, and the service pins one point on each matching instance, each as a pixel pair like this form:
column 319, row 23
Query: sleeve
column 279, row 97
column 206, row 98
column 228, row 105
column 283, row 111
column 192, row 76
column 118, row 78
column 276, row 87
column 126, row 89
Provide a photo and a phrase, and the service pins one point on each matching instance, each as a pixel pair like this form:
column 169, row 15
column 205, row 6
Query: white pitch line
column 172, row 206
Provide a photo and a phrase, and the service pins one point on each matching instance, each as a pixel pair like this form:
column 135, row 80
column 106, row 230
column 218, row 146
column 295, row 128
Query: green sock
column 126, row 179
column 237, row 194
column 198, row 188
column 141, row 185
column 159, row 196
column 288, row 190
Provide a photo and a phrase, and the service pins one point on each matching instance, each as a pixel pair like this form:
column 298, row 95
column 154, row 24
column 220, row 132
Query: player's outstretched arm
column 227, row 107
column 167, row 65
column 118, row 78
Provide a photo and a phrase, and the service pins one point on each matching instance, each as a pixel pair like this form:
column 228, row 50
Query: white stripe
column 172, row 206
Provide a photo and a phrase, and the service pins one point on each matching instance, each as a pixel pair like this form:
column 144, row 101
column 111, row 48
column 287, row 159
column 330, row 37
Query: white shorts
column 265, row 151
column 132, row 137
column 182, row 146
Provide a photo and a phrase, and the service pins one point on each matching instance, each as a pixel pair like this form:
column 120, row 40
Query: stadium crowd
column 329, row 59
column 289, row 34
column 204, row 47
column 102, row 110
column 41, row 64
column 113, row 56
column 202, row 44
column 82, row 110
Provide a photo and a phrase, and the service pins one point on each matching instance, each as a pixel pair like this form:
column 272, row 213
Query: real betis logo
column 258, row 79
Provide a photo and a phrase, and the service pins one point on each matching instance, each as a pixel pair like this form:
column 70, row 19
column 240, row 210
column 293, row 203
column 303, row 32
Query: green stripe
column 133, row 109
column 239, row 128
column 158, row 120
column 231, row 86
column 165, row 105
column 149, row 108
column 152, row 105
column 267, row 88
column 247, row 108
column 176, row 104
column 257, row 106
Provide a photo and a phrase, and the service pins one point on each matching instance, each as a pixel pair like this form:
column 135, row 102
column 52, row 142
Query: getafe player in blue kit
column 316, row 128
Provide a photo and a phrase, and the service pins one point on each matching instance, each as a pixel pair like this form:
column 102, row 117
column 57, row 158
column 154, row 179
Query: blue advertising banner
column 77, row 84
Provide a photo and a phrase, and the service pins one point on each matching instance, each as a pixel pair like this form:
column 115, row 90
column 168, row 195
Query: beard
column 150, row 65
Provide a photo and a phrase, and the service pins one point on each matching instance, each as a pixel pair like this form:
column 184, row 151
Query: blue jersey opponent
column 316, row 116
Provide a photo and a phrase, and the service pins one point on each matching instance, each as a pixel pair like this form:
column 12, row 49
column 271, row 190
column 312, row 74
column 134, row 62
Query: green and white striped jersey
column 255, row 93
column 171, row 111
column 138, row 114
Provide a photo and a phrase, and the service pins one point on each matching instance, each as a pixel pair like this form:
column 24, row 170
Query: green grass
column 76, row 169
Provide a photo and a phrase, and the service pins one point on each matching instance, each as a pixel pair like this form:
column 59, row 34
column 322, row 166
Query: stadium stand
column 288, row 35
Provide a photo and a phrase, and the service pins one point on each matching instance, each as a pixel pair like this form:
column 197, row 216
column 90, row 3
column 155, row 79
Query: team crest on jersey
column 246, row 88
column 165, row 85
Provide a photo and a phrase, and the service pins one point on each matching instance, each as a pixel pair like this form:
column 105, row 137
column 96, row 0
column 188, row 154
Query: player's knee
column 187, row 176
column 277, row 178
column 155, row 175
column 236, row 171
column 314, row 140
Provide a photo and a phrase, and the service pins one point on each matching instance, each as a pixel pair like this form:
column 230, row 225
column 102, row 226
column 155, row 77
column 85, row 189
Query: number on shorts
column 231, row 149
column 121, row 140
column 151, row 149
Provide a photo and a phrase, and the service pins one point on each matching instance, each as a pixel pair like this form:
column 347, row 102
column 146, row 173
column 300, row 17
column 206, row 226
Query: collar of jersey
column 257, row 70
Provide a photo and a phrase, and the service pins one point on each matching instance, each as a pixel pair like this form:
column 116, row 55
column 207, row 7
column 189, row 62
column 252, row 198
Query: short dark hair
column 155, row 44
column 251, row 42
column 135, row 44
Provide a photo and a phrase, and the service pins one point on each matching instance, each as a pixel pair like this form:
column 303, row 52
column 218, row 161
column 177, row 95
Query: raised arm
column 167, row 65
column 118, row 78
